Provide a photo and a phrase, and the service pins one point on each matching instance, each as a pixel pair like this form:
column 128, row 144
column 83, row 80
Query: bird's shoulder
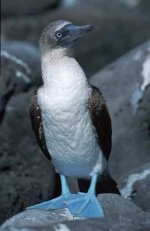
column 36, row 122
column 101, row 120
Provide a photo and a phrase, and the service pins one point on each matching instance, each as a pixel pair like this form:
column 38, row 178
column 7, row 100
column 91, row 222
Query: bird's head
column 62, row 34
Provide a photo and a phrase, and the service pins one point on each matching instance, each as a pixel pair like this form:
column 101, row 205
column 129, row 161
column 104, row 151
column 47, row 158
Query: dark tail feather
column 57, row 186
column 105, row 185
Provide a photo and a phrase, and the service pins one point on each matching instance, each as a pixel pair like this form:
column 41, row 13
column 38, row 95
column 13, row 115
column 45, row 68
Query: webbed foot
column 56, row 203
column 86, row 205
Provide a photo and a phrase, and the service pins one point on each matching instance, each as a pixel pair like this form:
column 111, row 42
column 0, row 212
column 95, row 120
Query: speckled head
column 61, row 34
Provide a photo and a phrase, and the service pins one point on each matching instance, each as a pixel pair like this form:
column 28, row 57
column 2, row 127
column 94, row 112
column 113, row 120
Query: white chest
column 68, row 129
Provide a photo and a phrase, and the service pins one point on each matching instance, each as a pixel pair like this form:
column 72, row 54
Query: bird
column 71, row 121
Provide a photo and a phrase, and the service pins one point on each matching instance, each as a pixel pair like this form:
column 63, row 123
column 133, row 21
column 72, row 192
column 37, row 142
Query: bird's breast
column 68, row 130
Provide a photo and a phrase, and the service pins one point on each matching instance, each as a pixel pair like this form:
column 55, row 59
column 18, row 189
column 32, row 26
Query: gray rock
column 120, row 214
column 140, row 194
column 19, row 7
column 115, row 6
column 117, row 32
column 26, row 176
column 15, row 70
column 15, row 77
column 102, row 5
column 136, row 185
column 29, row 54
column 126, row 87
column 142, row 6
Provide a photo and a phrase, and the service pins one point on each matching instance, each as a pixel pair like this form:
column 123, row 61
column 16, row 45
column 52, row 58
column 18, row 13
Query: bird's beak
column 73, row 33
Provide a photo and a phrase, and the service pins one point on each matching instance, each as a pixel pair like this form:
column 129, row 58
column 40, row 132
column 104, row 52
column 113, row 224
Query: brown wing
column 36, row 122
column 101, row 120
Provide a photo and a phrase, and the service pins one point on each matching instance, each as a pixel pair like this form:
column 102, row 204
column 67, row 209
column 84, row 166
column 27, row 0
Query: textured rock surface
column 26, row 176
column 135, row 186
column 140, row 198
column 138, row 5
column 15, row 70
column 126, row 87
column 117, row 5
column 120, row 214
column 29, row 54
column 110, row 5
column 15, row 77
column 19, row 7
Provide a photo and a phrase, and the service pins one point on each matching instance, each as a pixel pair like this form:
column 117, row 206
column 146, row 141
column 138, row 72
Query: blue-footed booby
column 70, row 120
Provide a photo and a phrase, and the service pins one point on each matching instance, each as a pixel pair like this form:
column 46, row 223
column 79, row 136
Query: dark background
column 26, row 176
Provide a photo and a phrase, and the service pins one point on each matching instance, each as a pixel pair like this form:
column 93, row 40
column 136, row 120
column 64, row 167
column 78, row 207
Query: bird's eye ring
column 58, row 35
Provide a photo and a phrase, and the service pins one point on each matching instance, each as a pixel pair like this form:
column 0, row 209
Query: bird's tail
column 105, row 184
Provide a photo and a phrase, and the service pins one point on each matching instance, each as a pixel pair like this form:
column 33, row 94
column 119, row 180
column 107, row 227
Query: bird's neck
column 61, row 71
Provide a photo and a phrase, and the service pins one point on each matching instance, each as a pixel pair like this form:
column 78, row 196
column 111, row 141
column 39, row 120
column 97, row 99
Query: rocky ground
column 26, row 176
column 120, row 214
column 126, row 87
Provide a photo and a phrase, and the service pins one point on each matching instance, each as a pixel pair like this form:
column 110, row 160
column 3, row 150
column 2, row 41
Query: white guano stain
column 16, row 60
column 146, row 73
column 139, row 89
column 69, row 215
column 61, row 227
column 137, row 55
column 20, row 74
column 10, row 108
column 135, row 98
column 128, row 188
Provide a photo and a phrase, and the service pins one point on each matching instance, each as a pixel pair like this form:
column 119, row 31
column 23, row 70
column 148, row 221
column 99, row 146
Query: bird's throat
column 60, row 71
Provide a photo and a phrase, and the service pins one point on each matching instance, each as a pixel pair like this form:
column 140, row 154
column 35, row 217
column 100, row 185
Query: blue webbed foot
column 86, row 205
column 57, row 203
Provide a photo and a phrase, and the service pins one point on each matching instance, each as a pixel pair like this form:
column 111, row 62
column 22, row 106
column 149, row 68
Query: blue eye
column 58, row 35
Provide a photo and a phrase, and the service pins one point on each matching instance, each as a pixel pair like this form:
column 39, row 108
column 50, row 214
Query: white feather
column 68, row 129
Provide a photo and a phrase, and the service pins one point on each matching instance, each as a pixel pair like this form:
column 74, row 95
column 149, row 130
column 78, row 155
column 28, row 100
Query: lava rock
column 26, row 176
column 120, row 214
column 115, row 6
column 140, row 194
column 15, row 77
column 15, row 70
column 142, row 6
column 126, row 87
column 20, row 7
column 29, row 54
column 116, row 33
column 136, row 185
column 102, row 5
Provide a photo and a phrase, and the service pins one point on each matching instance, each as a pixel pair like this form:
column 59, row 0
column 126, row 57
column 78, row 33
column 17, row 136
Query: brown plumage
column 101, row 120
column 37, row 126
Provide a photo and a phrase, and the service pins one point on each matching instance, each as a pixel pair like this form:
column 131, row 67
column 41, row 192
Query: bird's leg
column 87, row 205
column 59, row 202
column 64, row 185
column 92, row 188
